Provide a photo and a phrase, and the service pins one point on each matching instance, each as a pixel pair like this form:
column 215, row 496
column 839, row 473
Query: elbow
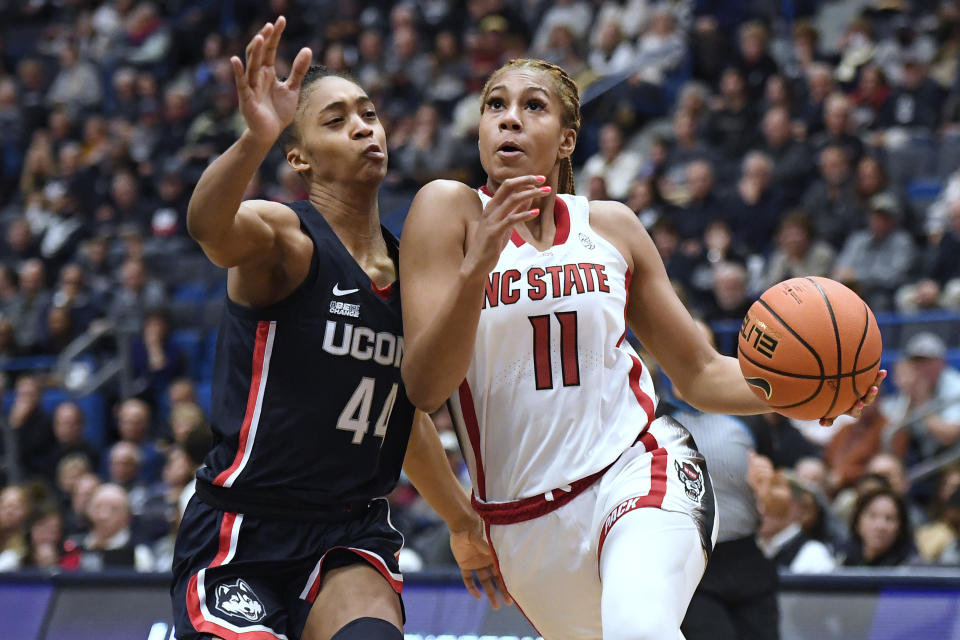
column 422, row 394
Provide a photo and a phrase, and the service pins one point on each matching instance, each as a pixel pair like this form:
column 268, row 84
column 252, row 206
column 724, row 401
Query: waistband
column 262, row 504
column 539, row 505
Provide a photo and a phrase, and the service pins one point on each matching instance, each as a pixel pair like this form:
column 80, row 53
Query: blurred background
column 756, row 141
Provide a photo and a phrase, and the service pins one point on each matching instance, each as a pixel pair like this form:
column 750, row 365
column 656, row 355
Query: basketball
column 809, row 348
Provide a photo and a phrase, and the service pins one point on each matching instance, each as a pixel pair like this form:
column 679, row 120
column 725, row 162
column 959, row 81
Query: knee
column 368, row 629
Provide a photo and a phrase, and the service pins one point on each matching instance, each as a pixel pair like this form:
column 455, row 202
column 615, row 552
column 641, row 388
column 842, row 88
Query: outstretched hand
column 477, row 564
column 508, row 206
column 869, row 398
column 268, row 105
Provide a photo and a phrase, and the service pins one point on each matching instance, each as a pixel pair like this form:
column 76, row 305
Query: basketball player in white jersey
column 516, row 302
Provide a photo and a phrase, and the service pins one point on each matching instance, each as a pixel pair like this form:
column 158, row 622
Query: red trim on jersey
column 370, row 557
column 200, row 623
column 473, row 432
column 496, row 561
column 384, row 292
column 654, row 498
column 561, row 218
column 259, row 348
column 640, row 394
column 626, row 303
column 534, row 506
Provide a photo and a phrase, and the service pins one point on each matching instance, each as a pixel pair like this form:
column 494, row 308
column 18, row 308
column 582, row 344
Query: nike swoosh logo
column 337, row 291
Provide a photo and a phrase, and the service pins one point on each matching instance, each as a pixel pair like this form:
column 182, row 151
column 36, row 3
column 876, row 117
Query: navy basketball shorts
column 241, row 577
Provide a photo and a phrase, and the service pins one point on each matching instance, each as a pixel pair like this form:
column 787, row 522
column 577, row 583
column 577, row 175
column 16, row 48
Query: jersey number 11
column 569, row 357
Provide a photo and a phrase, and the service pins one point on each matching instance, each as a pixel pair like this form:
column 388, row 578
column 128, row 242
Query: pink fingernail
column 534, row 212
column 545, row 189
column 541, row 178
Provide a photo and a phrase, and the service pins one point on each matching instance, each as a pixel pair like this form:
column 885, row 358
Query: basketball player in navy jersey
column 288, row 535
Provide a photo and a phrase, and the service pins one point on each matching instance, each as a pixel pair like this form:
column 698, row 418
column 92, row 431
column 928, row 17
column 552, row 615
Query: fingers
column 299, row 69
column 273, row 41
column 238, row 75
column 470, row 584
column 254, row 57
column 486, row 581
column 502, row 588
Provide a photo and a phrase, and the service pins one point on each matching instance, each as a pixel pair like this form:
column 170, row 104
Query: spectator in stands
column 937, row 539
column 755, row 62
column 14, row 508
column 791, row 159
column 155, row 361
column 837, row 129
column 44, row 538
column 617, row 166
column 8, row 342
column 731, row 299
column 928, row 402
column 732, row 124
column 77, row 83
column 871, row 99
column 69, row 471
column 68, row 429
column 161, row 516
column 779, row 440
column 57, row 332
column 27, row 310
column 73, row 294
column 181, row 390
column 75, row 519
column 611, row 54
column 856, row 443
column 754, row 208
column 668, row 241
column 686, row 147
column 135, row 295
column 939, row 286
column 21, row 244
column 880, row 532
column 820, row 84
column 719, row 246
column 32, row 427
column 185, row 417
column 109, row 543
column 703, row 205
column 830, row 199
column 917, row 101
column 783, row 540
column 797, row 252
column 124, row 464
column 429, row 152
column 133, row 425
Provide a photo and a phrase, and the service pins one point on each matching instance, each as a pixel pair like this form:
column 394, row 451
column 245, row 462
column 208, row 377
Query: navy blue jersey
column 308, row 407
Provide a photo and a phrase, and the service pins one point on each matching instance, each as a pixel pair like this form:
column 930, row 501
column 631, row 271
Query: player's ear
column 296, row 159
column 568, row 142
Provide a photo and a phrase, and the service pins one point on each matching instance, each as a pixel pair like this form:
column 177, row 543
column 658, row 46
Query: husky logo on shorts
column 238, row 599
column 691, row 478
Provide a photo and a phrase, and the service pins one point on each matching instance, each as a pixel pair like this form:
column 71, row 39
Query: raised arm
column 448, row 248
column 230, row 231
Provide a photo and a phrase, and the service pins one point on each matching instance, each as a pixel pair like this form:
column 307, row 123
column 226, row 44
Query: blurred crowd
column 755, row 140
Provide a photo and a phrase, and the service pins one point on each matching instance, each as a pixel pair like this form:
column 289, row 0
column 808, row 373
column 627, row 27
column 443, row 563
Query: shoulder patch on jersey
column 587, row 241
column 691, row 478
column 239, row 600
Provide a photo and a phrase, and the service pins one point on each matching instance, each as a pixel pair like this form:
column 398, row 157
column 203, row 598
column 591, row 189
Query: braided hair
column 569, row 99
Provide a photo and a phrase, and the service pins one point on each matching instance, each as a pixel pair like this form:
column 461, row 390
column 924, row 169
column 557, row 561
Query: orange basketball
column 809, row 347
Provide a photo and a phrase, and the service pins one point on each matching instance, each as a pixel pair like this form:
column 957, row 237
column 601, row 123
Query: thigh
column 549, row 566
column 758, row 619
column 650, row 566
column 351, row 592
column 708, row 619
column 218, row 588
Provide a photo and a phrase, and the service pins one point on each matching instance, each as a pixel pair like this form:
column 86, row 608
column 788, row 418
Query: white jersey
column 553, row 393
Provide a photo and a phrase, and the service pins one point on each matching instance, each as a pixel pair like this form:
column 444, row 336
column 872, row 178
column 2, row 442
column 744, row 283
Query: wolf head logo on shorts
column 691, row 478
column 238, row 599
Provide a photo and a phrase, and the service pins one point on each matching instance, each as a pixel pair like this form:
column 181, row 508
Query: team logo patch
column 239, row 600
column 692, row 480
column 586, row 241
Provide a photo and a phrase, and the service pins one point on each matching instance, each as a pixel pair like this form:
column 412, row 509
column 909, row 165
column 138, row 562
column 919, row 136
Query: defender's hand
column 476, row 562
column 267, row 104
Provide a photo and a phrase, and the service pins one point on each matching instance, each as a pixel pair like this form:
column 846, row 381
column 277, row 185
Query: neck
column 352, row 212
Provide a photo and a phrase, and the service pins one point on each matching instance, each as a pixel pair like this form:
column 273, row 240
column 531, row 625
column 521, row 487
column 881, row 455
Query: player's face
column 341, row 137
column 521, row 127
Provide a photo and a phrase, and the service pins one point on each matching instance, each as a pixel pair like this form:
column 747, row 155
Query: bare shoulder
column 272, row 213
column 619, row 226
column 443, row 198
